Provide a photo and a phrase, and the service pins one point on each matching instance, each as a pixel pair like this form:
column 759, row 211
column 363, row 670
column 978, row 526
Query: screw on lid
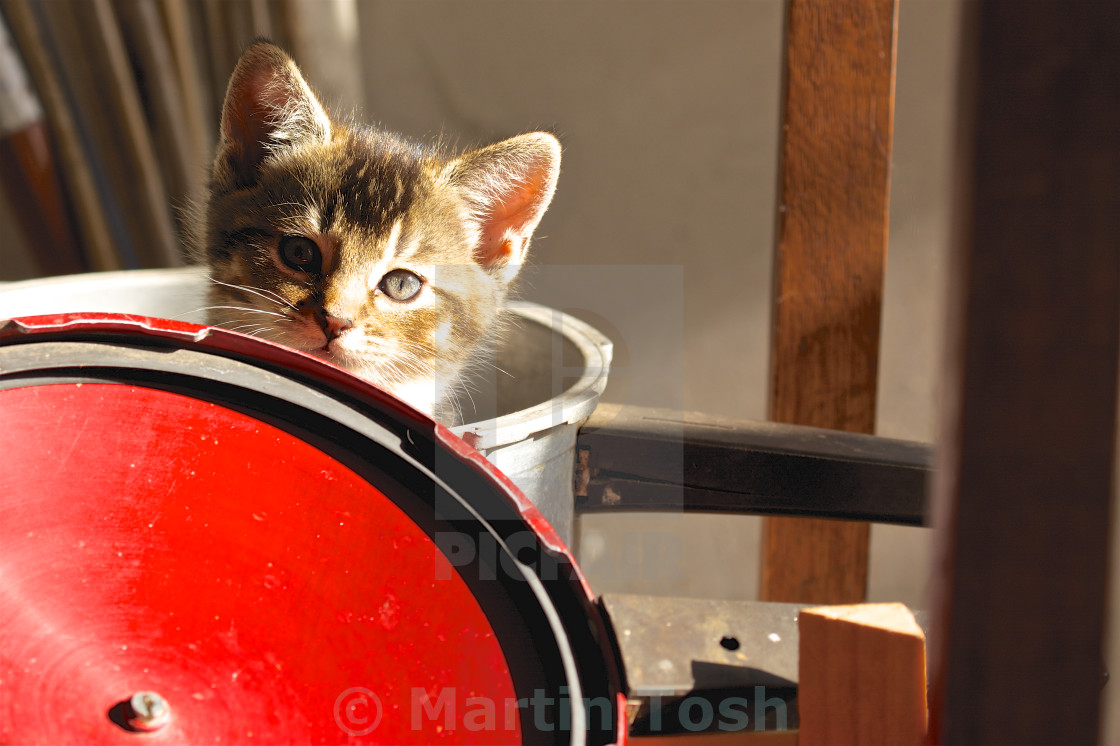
column 150, row 711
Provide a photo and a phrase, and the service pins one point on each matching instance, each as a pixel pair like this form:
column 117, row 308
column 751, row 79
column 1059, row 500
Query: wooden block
column 829, row 263
column 862, row 676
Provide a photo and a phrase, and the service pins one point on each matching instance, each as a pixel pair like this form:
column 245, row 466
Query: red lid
column 206, row 538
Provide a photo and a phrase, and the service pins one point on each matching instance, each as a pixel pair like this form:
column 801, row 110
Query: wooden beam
column 1022, row 486
column 828, row 281
column 862, row 674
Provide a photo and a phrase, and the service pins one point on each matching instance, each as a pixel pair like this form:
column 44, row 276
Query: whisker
column 271, row 296
column 480, row 360
column 244, row 308
column 188, row 313
column 466, row 390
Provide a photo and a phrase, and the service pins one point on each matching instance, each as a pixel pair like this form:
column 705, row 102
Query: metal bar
column 1022, row 499
column 636, row 458
column 740, row 657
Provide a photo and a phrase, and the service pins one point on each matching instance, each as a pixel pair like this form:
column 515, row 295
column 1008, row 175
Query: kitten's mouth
column 323, row 353
column 338, row 357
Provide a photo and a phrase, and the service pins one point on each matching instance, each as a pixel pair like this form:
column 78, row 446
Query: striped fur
column 372, row 203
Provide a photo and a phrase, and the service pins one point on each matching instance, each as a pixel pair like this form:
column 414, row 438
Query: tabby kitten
column 383, row 257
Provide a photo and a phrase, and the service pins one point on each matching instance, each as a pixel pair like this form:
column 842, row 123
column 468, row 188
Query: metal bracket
column 684, row 657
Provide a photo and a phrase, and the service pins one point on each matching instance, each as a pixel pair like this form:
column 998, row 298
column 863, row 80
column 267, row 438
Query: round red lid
column 205, row 538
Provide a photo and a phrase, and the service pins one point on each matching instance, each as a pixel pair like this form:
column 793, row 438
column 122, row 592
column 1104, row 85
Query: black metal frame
column 637, row 458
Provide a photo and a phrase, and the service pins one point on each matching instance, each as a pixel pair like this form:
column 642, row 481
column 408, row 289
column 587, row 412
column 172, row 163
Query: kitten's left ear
column 508, row 186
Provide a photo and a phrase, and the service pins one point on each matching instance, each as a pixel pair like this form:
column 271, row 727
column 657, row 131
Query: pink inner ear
column 246, row 121
column 514, row 214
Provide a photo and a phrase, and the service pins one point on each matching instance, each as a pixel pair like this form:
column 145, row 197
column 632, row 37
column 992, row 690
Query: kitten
column 381, row 256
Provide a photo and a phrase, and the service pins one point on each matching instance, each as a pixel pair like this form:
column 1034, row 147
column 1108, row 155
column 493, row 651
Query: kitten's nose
column 332, row 326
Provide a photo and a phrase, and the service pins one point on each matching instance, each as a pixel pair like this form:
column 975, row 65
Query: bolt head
column 150, row 711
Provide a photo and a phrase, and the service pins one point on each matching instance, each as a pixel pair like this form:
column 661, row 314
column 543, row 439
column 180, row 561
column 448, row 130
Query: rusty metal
column 674, row 646
column 684, row 657
column 705, row 665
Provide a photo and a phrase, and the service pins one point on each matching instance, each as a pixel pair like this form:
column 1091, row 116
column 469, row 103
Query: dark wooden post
column 1021, row 496
column 828, row 287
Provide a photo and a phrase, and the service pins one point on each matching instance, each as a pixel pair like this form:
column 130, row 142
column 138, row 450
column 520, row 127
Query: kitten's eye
column 301, row 254
column 401, row 285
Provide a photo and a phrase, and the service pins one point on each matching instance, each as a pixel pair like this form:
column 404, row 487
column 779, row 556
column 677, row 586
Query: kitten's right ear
column 269, row 107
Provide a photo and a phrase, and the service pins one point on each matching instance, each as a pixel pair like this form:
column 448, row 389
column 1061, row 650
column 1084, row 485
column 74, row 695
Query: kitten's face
column 357, row 247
